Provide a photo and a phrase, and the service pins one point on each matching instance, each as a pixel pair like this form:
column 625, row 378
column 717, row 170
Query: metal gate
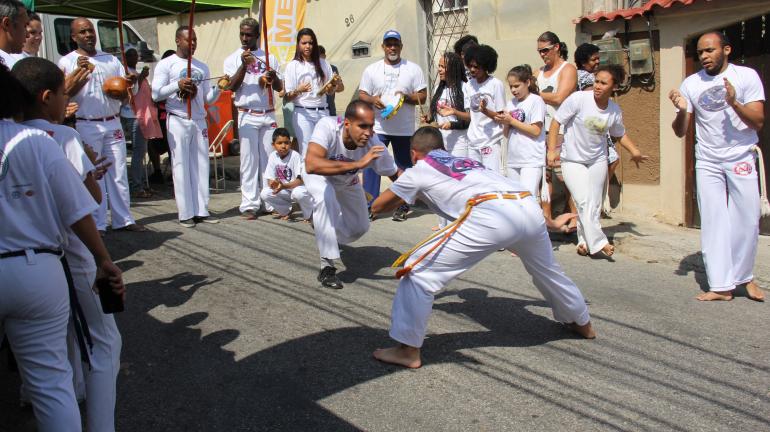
column 446, row 21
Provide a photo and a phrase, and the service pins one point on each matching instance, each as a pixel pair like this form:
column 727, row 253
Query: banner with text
column 284, row 19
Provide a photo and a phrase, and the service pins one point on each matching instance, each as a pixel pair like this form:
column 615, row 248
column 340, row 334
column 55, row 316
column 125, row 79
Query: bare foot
column 402, row 355
column 608, row 250
column 754, row 292
column 582, row 250
column 285, row 217
column 435, row 228
column 585, row 330
column 715, row 296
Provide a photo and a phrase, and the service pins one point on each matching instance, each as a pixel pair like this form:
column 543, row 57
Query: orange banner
column 284, row 19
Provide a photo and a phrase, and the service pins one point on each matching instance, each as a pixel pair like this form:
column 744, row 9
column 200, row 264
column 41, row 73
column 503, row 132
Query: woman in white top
column 485, row 96
column 304, row 77
column 447, row 100
column 587, row 117
column 523, row 126
column 557, row 79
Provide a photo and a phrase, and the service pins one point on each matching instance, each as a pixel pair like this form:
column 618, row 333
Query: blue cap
column 391, row 34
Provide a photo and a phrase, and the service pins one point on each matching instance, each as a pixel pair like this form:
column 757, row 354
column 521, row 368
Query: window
column 449, row 5
column 64, row 42
column 361, row 49
column 110, row 40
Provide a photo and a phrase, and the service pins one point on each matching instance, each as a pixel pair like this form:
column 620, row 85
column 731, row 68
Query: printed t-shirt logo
column 596, row 125
column 451, row 166
column 713, row 99
column 743, row 169
column 283, row 173
column 518, row 114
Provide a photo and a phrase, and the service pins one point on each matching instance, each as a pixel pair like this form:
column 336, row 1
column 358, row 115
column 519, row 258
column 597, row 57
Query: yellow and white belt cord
column 448, row 230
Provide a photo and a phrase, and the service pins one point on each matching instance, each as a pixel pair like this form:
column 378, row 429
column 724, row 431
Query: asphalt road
column 228, row 330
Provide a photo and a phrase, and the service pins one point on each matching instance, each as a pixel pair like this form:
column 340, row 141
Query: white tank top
column 552, row 84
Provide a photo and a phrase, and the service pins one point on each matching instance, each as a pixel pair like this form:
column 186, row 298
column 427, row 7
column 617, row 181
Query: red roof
column 632, row 12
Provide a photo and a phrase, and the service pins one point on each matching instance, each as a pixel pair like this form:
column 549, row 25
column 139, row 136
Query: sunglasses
column 544, row 50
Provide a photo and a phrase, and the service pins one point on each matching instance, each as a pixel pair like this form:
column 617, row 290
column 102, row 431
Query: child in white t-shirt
column 283, row 181
column 485, row 96
column 523, row 126
column 587, row 117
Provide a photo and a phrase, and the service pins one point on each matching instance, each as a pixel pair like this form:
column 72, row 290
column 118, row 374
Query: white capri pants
column 340, row 214
column 529, row 177
column 516, row 225
column 728, row 201
column 107, row 139
column 34, row 311
column 188, row 142
column 281, row 201
column 586, row 184
column 256, row 138
column 304, row 121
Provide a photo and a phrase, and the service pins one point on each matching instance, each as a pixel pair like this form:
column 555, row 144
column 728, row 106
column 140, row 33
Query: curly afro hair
column 484, row 56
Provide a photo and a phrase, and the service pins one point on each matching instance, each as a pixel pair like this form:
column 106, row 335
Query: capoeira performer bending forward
column 490, row 212
column 728, row 103
column 338, row 149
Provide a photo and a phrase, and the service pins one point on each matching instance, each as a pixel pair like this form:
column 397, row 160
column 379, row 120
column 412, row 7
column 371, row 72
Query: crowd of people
column 483, row 163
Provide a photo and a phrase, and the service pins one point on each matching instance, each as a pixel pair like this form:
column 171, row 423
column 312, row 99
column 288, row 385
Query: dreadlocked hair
column 454, row 77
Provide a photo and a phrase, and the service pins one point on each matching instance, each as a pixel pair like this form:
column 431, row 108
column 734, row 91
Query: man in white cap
column 382, row 85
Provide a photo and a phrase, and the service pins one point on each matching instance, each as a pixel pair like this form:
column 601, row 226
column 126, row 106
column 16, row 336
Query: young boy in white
column 504, row 216
column 485, row 97
column 252, row 84
column 98, row 122
column 36, row 74
column 523, row 125
column 188, row 138
column 338, row 149
column 587, row 117
column 283, row 181
column 728, row 104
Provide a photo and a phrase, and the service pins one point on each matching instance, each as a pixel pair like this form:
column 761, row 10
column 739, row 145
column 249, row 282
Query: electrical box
column 610, row 51
column 640, row 53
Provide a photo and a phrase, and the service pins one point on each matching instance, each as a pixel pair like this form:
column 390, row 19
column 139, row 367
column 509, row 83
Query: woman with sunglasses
column 305, row 76
column 557, row 79
column 588, row 116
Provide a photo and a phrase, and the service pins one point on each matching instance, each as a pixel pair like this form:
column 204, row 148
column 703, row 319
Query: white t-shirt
column 483, row 130
column 91, row 100
column 445, row 183
column 70, row 142
column 284, row 170
column 41, row 195
column 523, row 150
column 381, row 79
column 165, row 82
column 7, row 59
column 586, row 127
column 250, row 94
column 21, row 55
column 451, row 136
column 720, row 134
column 328, row 134
column 300, row 72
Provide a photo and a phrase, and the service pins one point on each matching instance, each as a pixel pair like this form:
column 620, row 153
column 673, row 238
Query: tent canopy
column 132, row 9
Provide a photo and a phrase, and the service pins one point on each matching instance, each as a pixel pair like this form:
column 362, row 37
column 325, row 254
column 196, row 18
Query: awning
column 631, row 12
column 132, row 9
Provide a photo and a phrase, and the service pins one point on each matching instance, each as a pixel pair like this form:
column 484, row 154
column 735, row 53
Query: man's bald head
column 84, row 35
column 358, row 109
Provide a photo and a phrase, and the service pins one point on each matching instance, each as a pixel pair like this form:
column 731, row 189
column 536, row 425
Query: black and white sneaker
column 328, row 278
column 401, row 213
column 206, row 219
column 187, row 223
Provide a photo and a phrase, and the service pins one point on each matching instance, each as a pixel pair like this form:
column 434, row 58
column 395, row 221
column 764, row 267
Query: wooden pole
column 263, row 17
column 190, row 55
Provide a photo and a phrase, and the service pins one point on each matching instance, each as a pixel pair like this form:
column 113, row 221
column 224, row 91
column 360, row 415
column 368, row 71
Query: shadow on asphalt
column 694, row 263
column 363, row 262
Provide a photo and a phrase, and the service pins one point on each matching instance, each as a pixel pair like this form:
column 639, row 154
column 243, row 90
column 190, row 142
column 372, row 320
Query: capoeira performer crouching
column 187, row 137
column 338, row 149
column 728, row 102
column 490, row 212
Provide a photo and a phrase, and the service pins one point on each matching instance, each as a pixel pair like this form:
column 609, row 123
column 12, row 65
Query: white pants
column 101, row 378
column 256, row 138
column 515, row 225
column 107, row 139
column 728, row 201
column 529, row 177
column 488, row 154
column 586, row 184
column 304, row 121
column 34, row 312
column 340, row 215
column 281, row 202
column 188, row 142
